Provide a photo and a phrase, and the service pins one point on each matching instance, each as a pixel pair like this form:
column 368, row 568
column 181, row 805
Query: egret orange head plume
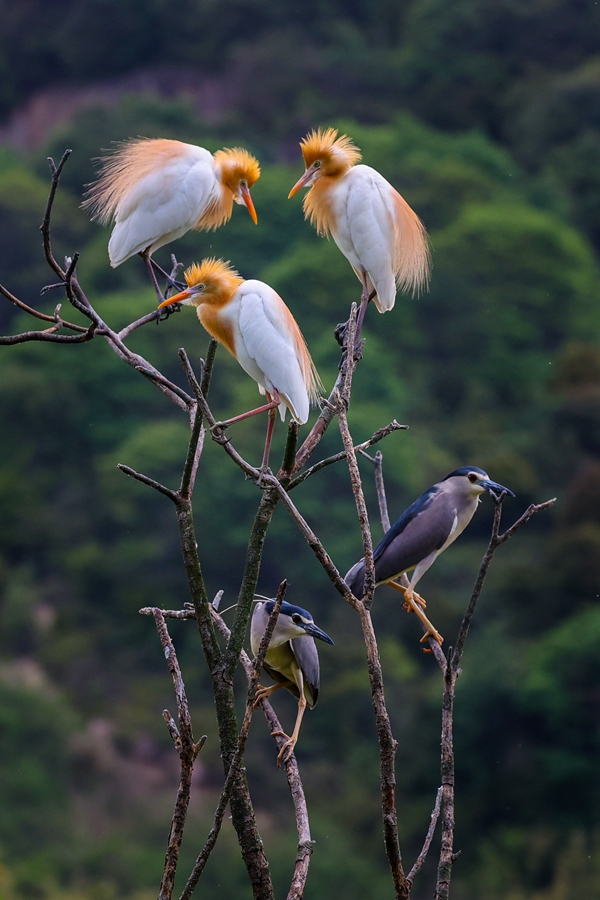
column 239, row 171
column 213, row 281
column 336, row 154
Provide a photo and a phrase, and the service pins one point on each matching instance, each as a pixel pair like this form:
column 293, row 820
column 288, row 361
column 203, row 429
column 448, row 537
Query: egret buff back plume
column 383, row 239
column 251, row 320
column 292, row 660
column 156, row 190
column 423, row 531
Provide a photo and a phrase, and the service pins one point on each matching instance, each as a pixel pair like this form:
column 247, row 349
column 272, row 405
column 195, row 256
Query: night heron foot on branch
column 422, row 532
column 292, row 660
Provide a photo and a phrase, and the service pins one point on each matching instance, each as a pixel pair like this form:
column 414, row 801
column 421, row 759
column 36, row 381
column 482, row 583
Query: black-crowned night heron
column 292, row 659
column 424, row 531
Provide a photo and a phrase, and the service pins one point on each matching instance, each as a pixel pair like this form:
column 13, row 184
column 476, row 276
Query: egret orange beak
column 181, row 297
column 245, row 195
column 302, row 182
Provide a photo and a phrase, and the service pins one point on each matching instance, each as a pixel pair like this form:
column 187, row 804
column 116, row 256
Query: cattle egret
column 251, row 320
column 422, row 532
column 156, row 190
column 292, row 659
column 382, row 238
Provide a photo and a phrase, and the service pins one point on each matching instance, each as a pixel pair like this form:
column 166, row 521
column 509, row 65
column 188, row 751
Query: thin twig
column 49, row 335
column 359, row 448
column 45, row 226
column 435, row 813
column 150, row 482
column 34, row 312
column 377, row 461
column 187, row 749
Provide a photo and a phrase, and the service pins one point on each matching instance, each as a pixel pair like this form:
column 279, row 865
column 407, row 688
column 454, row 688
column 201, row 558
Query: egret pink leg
column 269, row 437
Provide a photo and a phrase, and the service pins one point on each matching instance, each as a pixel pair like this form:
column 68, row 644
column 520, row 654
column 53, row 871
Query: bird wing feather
column 371, row 223
column 268, row 339
column 307, row 657
column 162, row 205
column 415, row 535
column 412, row 538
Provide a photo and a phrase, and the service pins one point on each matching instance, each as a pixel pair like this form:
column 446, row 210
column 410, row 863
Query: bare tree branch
column 239, row 751
column 305, row 843
column 187, row 749
column 447, row 855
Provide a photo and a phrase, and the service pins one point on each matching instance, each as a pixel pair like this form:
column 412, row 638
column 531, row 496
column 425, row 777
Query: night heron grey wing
column 413, row 538
column 307, row 657
column 421, row 530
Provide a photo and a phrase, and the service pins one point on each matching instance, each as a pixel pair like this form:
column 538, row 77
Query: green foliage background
column 485, row 116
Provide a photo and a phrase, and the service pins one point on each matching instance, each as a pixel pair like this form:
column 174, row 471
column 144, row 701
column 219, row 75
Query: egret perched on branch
column 292, row 659
column 382, row 238
column 157, row 189
column 424, row 531
column 251, row 320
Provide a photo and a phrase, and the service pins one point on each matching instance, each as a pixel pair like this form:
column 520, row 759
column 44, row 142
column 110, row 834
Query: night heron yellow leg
column 417, row 597
column 412, row 604
column 263, row 693
column 288, row 748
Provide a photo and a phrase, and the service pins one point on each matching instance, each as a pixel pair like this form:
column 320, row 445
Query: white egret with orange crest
column 251, row 320
column 157, row 189
column 382, row 238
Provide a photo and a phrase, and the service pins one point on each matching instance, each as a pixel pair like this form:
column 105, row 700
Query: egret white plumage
column 292, row 660
column 251, row 320
column 380, row 235
column 157, row 189
column 422, row 532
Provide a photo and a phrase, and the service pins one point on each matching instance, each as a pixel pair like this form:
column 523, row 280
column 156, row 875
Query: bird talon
column 166, row 312
column 218, row 430
column 340, row 332
column 285, row 752
column 434, row 634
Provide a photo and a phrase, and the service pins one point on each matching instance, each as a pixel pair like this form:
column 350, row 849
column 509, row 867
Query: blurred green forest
column 486, row 116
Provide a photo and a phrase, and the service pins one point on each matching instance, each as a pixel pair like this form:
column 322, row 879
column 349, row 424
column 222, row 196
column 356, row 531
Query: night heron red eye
column 297, row 619
column 472, row 477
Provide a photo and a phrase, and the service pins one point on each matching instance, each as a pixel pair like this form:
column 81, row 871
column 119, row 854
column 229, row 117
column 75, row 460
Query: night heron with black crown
column 422, row 532
column 292, row 660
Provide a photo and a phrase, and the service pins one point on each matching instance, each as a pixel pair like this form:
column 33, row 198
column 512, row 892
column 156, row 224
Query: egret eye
column 472, row 477
column 317, row 164
column 296, row 619
column 243, row 182
column 199, row 287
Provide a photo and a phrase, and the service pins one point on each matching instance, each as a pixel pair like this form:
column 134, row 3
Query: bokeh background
column 485, row 114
